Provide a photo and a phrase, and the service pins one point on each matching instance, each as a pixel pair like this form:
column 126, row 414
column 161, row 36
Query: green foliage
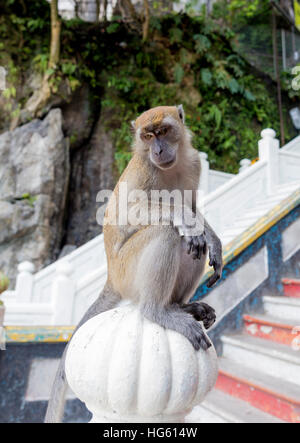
column 202, row 43
column 188, row 59
column 240, row 12
column 29, row 199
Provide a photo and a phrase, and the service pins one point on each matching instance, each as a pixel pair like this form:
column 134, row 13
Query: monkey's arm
column 201, row 237
column 215, row 253
column 197, row 233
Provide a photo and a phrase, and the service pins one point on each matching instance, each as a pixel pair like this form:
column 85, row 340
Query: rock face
column 34, row 177
column 92, row 169
column 78, row 117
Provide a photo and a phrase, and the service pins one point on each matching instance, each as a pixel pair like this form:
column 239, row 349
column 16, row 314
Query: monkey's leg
column 201, row 312
column 156, row 278
column 107, row 300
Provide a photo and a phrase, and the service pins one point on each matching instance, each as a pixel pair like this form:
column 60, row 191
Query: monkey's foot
column 201, row 312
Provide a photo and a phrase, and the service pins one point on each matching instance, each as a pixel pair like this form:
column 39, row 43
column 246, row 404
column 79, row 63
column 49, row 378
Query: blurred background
column 73, row 75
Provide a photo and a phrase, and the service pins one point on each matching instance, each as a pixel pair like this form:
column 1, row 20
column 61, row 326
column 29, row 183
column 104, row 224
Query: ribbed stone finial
column 128, row 369
column 268, row 133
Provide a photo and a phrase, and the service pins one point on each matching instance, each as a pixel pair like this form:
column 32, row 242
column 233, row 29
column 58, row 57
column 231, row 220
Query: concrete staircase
column 259, row 378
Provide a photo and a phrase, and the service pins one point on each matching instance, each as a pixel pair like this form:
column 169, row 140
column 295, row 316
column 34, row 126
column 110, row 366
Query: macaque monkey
column 157, row 266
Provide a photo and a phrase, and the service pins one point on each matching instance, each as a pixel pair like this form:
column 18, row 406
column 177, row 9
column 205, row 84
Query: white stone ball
column 128, row 369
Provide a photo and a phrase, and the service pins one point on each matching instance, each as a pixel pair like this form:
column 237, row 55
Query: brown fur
column 156, row 115
column 151, row 265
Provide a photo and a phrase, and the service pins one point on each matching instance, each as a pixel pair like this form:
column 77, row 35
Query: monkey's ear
column 132, row 123
column 181, row 112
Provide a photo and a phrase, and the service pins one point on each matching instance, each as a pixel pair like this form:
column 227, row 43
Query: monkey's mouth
column 167, row 165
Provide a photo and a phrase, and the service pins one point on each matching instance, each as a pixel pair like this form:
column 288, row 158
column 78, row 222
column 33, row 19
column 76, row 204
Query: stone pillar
column 130, row 370
column 62, row 294
column 24, row 283
column 269, row 151
column 244, row 164
column 204, row 179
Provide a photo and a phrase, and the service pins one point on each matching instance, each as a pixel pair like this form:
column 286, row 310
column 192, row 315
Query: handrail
column 263, row 224
column 238, row 179
column 291, row 144
column 289, row 154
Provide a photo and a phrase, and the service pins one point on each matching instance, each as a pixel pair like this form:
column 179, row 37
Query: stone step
column 285, row 308
column 219, row 407
column 291, row 288
column 270, row 328
column 269, row 394
column 270, row 358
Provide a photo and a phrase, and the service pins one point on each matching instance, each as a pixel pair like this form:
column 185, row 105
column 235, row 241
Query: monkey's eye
column 148, row 136
column 162, row 131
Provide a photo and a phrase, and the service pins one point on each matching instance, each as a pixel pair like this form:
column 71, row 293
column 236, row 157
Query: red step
column 263, row 326
column 268, row 394
column 291, row 287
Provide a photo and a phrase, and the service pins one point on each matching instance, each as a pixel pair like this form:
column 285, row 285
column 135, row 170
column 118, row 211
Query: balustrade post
column 244, row 164
column 62, row 294
column 24, row 282
column 130, row 370
column 269, row 151
column 204, row 180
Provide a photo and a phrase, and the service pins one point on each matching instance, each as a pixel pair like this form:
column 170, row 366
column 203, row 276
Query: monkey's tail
column 107, row 300
column 56, row 405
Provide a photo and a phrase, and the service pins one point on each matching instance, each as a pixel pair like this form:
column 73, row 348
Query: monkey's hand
column 196, row 246
column 201, row 312
column 215, row 260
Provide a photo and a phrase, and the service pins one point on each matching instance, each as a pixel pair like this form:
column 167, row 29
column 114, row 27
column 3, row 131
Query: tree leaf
column 178, row 73
column 206, row 76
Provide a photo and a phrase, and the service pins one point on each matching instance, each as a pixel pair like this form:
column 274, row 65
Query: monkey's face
column 159, row 132
column 162, row 145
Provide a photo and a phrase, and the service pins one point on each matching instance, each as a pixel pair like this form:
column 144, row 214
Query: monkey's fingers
column 202, row 246
column 196, row 246
column 195, row 249
column 216, row 276
column 189, row 242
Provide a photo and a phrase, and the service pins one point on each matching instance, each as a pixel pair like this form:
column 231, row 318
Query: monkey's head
column 159, row 133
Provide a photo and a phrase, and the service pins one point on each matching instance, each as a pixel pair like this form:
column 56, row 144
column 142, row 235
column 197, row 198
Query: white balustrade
column 225, row 203
column 127, row 369
column 62, row 294
column 24, row 283
column 59, row 294
column 268, row 148
column 244, row 164
column 292, row 146
column 204, row 181
column 211, row 179
column 289, row 170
